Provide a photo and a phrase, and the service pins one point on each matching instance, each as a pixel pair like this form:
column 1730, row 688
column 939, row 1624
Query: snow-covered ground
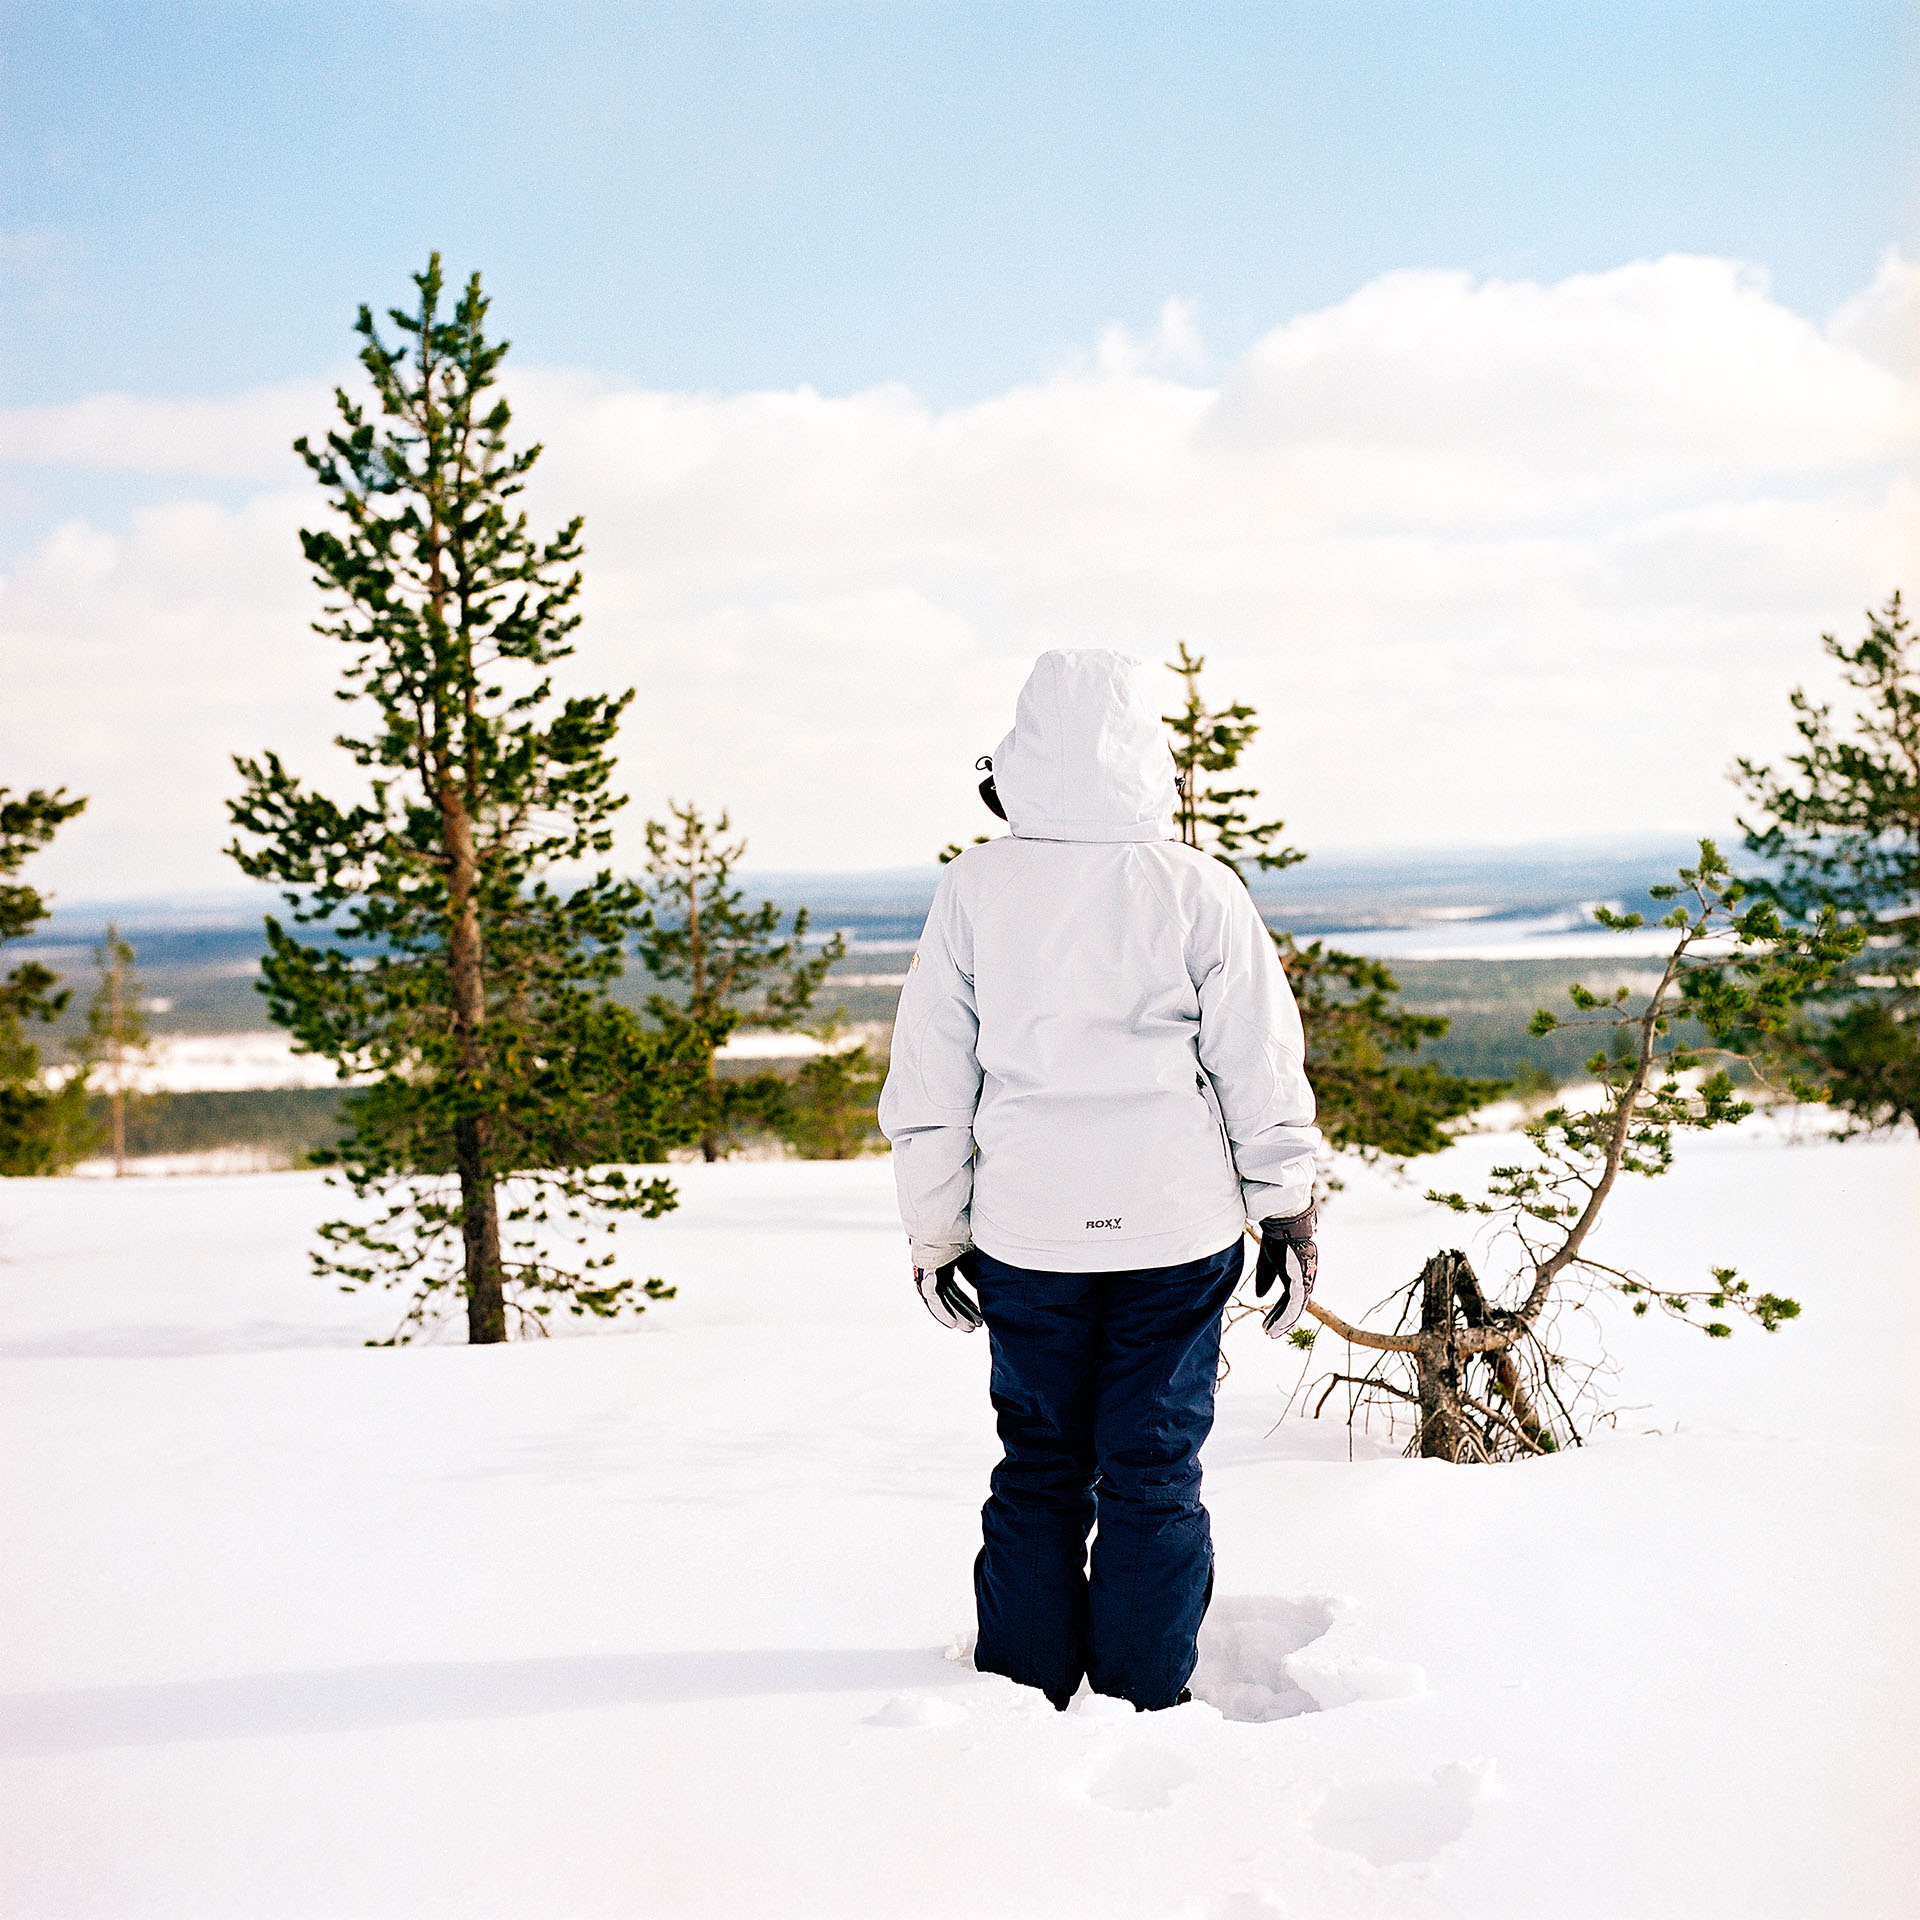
column 657, row 1623
column 217, row 1063
column 239, row 1062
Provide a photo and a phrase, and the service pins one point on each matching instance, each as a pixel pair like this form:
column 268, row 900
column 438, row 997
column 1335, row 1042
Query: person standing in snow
column 1097, row 1079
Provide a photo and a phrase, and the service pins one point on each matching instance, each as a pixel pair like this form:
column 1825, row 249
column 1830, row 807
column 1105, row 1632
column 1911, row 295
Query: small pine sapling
column 832, row 1110
column 731, row 961
column 1209, row 741
column 117, row 1036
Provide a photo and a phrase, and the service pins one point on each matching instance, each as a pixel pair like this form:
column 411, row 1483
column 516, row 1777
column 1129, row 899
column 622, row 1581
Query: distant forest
column 200, row 974
column 207, row 978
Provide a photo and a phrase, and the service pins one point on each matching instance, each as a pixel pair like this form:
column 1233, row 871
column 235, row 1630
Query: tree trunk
column 1473, row 1305
column 454, row 777
column 479, row 1206
column 1443, row 1426
column 114, row 1057
column 480, row 1234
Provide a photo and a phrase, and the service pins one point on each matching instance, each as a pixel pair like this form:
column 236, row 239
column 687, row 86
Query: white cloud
column 1883, row 322
column 1174, row 345
column 1670, row 375
column 245, row 436
column 1495, row 561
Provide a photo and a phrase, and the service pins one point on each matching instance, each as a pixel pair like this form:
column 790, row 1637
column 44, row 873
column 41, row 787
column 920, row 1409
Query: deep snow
column 657, row 1624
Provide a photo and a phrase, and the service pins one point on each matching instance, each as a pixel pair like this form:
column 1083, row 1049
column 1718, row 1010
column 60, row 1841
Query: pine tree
column 117, row 1034
column 1208, row 741
column 731, row 962
column 42, row 1130
column 1842, row 827
column 429, row 947
column 832, row 1112
column 1371, row 1093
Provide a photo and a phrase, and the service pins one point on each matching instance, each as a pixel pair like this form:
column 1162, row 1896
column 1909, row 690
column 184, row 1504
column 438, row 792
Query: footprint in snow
column 1140, row 1781
column 917, row 1710
column 1259, row 1660
column 1245, row 1905
column 1396, row 1822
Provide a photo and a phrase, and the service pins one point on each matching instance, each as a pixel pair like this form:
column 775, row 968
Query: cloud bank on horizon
column 1497, row 561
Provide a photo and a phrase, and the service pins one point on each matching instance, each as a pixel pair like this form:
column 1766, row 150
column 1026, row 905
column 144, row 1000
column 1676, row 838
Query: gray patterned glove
column 1288, row 1256
column 947, row 1300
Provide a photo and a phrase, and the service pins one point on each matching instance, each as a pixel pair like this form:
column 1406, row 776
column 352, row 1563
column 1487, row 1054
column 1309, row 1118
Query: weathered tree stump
column 1444, row 1431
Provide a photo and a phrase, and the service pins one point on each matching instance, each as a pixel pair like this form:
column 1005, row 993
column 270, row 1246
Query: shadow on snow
column 348, row 1699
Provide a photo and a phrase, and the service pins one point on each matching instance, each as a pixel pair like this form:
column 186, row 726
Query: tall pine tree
column 430, row 949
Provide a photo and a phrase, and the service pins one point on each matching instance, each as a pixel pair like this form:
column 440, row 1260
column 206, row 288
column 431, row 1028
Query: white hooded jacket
column 1097, row 1061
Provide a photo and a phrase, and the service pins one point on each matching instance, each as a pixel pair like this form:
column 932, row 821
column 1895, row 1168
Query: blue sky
column 730, row 196
column 1464, row 380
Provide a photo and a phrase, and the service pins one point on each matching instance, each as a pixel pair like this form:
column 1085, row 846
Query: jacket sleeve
column 933, row 1087
column 1254, row 1052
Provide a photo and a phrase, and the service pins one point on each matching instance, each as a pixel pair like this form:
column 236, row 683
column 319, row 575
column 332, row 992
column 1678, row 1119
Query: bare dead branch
column 1360, row 1337
column 1368, row 1383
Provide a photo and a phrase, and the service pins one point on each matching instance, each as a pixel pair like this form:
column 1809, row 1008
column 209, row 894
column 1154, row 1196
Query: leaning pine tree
column 437, row 960
column 1479, row 1366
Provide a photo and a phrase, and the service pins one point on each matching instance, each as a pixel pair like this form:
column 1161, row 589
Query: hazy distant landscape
column 1480, row 936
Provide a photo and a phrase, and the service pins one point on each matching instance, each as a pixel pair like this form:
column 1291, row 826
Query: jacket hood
column 1088, row 757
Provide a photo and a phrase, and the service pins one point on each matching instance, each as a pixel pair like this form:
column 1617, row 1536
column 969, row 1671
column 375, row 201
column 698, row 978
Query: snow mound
column 1396, row 1823
column 1141, row 1779
column 917, row 1710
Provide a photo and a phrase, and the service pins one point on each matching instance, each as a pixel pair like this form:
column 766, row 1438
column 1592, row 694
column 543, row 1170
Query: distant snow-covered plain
column 659, row 1623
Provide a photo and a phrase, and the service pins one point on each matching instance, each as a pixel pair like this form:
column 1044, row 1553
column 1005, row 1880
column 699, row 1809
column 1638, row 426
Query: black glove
column 947, row 1300
column 1288, row 1255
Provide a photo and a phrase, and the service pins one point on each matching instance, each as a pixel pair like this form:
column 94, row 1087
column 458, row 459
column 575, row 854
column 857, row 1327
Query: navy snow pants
column 1103, row 1384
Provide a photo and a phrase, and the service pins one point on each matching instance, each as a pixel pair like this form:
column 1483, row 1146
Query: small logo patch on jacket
column 1093, row 1224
